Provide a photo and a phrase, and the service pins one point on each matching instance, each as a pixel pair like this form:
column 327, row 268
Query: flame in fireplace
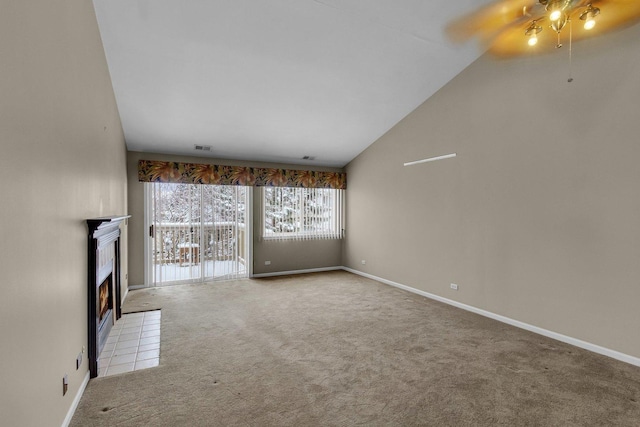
column 103, row 297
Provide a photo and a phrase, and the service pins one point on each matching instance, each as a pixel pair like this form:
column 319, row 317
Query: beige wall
column 538, row 216
column 284, row 256
column 63, row 160
column 291, row 255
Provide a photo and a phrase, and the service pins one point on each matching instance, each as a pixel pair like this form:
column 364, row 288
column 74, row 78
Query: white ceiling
column 275, row 80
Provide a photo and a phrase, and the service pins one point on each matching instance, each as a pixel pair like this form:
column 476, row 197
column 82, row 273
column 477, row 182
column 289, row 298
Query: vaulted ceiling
column 275, row 80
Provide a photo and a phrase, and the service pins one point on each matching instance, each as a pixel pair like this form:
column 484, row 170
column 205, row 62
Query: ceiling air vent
column 309, row 158
column 202, row 147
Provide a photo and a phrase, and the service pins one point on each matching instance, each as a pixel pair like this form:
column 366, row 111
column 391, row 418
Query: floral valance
column 194, row 173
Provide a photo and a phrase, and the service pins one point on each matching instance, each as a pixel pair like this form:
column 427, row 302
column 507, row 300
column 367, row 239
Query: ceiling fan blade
column 513, row 42
column 490, row 19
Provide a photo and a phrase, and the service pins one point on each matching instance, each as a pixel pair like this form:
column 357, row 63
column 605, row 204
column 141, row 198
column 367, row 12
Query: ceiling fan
column 508, row 28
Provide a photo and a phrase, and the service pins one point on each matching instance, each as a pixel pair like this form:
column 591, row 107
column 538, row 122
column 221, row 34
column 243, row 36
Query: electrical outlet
column 78, row 361
column 267, row 263
column 454, row 286
column 65, row 384
column 364, row 262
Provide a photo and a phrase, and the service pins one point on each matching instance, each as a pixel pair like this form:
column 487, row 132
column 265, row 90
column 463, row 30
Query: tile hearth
column 133, row 344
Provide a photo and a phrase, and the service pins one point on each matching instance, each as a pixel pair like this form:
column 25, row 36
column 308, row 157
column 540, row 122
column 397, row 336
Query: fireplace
column 104, row 310
column 105, row 301
column 104, row 283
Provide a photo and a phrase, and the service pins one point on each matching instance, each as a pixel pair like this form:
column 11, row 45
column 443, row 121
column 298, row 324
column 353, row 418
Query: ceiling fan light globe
column 555, row 15
column 589, row 16
column 533, row 40
column 559, row 24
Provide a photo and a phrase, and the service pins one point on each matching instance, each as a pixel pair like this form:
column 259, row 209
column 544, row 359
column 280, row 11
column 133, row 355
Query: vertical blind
column 198, row 232
column 302, row 213
column 225, row 231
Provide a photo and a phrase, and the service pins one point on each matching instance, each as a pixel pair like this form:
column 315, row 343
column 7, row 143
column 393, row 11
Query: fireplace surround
column 103, row 283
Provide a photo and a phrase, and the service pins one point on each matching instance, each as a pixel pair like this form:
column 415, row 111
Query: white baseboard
column 76, row 401
column 287, row 273
column 531, row 328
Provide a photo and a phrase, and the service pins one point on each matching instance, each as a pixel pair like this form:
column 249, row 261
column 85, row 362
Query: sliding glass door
column 196, row 232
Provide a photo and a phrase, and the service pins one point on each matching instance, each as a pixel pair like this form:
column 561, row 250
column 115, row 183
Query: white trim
column 431, row 159
column 563, row 338
column 148, row 201
column 248, row 232
column 287, row 273
column 312, row 235
column 76, row 401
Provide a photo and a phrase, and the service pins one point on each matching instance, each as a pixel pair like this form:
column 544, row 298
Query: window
column 302, row 213
column 196, row 232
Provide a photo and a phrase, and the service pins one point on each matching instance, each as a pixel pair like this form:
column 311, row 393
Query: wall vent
column 202, row 147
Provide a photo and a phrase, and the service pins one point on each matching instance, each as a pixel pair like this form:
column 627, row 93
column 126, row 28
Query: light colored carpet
column 336, row 349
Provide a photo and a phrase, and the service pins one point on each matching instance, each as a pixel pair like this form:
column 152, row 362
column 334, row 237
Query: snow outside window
column 302, row 213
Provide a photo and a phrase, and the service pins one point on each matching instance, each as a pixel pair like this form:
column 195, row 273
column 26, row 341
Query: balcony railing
column 180, row 243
